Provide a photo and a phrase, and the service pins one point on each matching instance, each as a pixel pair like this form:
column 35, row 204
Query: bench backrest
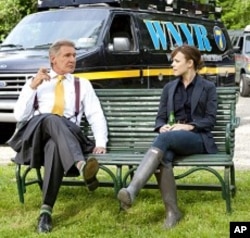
column 131, row 113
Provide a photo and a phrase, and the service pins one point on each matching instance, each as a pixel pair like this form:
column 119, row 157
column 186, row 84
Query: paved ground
column 242, row 149
column 6, row 154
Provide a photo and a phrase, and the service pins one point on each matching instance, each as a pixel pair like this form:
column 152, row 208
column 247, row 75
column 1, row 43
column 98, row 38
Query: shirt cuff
column 100, row 143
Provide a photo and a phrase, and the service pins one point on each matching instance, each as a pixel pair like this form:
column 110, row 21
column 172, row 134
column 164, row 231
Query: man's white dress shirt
column 89, row 104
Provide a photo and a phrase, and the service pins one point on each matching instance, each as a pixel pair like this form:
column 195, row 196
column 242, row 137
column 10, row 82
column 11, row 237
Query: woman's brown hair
column 190, row 53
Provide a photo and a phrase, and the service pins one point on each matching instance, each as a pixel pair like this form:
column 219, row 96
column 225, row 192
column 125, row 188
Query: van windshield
column 40, row 30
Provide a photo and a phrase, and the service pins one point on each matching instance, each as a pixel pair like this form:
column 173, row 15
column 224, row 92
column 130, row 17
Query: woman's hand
column 179, row 126
column 176, row 127
column 165, row 128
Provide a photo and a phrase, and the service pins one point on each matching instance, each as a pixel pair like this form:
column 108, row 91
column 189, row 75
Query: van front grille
column 13, row 84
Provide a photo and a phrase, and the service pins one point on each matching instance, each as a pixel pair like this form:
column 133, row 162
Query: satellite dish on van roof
column 247, row 28
column 169, row 2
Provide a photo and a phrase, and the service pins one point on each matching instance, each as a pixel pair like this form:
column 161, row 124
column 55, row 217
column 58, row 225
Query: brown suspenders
column 77, row 97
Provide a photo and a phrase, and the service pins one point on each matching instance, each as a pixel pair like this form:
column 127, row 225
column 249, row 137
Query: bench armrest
column 228, row 137
column 230, row 130
column 235, row 121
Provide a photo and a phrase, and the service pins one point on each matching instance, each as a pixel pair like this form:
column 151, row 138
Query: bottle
column 171, row 118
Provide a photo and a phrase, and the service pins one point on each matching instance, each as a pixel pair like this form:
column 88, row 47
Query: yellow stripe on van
column 109, row 74
column 150, row 72
column 156, row 72
column 217, row 70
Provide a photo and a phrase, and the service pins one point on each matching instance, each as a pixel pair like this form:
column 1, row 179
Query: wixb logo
column 219, row 38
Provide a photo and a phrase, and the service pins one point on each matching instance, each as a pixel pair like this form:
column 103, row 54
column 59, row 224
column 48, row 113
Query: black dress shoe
column 44, row 223
column 90, row 171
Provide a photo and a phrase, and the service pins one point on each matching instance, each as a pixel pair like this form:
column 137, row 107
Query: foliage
column 79, row 213
column 235, row 13
column 12, row 11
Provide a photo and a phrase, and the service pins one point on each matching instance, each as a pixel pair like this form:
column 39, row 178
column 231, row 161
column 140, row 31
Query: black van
column 117, row 47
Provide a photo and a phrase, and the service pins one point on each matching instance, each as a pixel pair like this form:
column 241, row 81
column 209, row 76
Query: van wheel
column 244, row 87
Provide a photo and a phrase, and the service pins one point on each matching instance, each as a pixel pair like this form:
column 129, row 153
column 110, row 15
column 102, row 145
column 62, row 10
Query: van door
column 122, row 53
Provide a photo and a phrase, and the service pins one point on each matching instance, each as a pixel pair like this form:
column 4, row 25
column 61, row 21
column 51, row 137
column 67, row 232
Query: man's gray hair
column 56, row 46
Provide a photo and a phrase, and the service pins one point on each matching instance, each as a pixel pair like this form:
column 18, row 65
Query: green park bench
column 130, row 115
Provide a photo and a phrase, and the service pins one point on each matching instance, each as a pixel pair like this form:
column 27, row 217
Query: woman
column 194, row 103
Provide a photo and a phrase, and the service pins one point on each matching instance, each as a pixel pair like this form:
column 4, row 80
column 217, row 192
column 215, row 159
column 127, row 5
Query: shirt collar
column 192, row 82
column 53, row 75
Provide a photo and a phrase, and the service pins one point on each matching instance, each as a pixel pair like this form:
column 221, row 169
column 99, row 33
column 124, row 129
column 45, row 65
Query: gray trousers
column 61, row 151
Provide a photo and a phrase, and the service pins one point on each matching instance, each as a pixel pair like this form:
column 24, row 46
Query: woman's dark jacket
column 203, row 109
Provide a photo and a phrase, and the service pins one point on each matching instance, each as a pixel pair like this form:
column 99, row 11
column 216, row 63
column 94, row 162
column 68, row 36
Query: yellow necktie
column 59, row 96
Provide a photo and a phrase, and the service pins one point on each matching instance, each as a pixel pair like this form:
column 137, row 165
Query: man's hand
column 41, row 75
column 99, row 150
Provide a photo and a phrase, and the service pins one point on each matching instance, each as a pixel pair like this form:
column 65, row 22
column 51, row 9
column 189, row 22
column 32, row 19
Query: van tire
column 244, row 87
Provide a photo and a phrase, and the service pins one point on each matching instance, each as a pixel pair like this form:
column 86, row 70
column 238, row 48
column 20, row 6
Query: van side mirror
column 236, row 49
column 120, row 44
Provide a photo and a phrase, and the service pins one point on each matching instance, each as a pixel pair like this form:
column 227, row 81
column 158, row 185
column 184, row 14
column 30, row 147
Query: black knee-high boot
column 146, row 168
column 167, row 187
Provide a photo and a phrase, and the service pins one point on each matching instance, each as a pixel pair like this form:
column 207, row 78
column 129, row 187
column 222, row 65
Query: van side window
column 121, row 28
column 247, row 46
column 234, row 40
column 240, row 45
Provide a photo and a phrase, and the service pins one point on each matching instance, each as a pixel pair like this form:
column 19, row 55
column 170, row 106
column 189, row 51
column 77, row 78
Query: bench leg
column 22, row 183
column 39, row 178
column 224, row 183
column 115, row 179
column 20, row 187
column 128, row 174
column 227, row 189
column 232, row 181
column 119, row 179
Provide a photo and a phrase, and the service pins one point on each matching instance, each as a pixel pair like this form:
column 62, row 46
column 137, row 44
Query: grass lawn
column 79, row 213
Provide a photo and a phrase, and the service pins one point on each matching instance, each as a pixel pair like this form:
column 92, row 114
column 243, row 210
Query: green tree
column 12, row 11
column 235, row 13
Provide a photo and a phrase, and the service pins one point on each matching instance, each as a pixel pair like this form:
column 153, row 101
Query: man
column 52, row 108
